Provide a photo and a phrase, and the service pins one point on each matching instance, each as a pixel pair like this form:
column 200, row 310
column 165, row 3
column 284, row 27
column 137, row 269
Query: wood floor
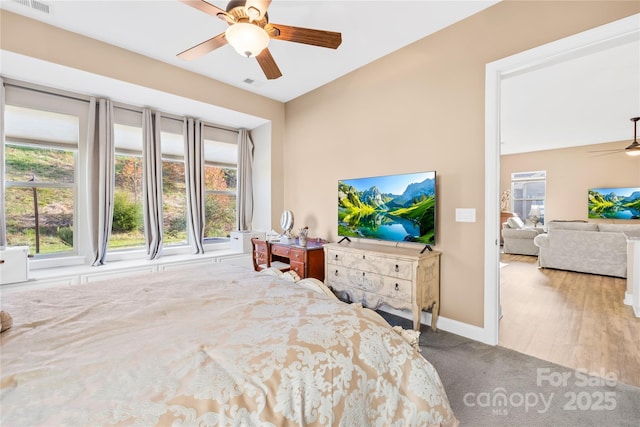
column 572, row 319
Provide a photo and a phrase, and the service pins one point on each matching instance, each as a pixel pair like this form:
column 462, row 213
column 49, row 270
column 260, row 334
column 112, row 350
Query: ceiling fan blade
column 210, row 9
column 256, row 8
column 329, row 39
column 605, row 154
column 610, row 151
column 203, row 48
column 268, row 65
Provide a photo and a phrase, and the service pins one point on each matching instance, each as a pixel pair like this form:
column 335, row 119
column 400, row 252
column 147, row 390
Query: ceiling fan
column 249, row 33
column 632, row 150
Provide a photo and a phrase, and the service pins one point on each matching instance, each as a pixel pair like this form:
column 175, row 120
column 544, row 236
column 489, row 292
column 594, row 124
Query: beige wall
column 422, row 108
column 571, row 172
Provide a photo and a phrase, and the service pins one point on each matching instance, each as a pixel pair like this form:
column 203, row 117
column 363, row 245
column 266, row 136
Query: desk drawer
column 297, row 255
column 280, row 250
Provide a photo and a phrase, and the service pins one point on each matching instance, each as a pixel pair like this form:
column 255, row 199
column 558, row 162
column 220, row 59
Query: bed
column 212, row 345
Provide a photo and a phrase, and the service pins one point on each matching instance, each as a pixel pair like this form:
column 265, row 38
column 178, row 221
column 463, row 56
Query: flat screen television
column 614, row 203
column 397, row 208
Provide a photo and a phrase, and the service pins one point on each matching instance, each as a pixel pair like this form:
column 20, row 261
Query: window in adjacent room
column 220, row 183
column 528, row 190
column 40, row 175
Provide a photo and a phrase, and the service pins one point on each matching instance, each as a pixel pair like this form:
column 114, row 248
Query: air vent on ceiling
column 248, row 81
column 36, row 5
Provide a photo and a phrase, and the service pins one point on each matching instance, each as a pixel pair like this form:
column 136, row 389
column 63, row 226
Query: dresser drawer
column 393, row 267
column 337, row 276
column 335, row 257
column 378, row 264
column 397, row 288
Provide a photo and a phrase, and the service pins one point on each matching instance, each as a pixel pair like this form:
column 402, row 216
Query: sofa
column 518, row 238
column 586, row 247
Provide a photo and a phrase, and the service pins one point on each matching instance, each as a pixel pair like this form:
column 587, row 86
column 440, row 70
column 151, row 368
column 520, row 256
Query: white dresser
column 376, row 274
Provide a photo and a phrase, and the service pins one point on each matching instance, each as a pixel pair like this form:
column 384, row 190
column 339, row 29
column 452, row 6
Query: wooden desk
column 307, row 261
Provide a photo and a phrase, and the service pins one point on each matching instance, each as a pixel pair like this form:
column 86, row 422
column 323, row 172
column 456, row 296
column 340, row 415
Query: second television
column 398, row 208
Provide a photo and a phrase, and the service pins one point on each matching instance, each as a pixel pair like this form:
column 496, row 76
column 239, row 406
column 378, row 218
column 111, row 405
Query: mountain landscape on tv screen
column 409, row 216
column 614, row 203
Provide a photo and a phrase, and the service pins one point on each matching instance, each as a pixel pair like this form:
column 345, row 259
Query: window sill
column 82, row 274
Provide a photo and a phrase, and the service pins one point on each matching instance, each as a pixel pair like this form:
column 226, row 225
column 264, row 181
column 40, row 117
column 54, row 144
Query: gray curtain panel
column 3, row 230
column 152, row 185
column 194, row 181
column 245, row 181
column 101, row 151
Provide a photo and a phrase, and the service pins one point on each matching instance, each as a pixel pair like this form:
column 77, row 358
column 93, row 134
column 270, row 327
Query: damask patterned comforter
column 208, row 346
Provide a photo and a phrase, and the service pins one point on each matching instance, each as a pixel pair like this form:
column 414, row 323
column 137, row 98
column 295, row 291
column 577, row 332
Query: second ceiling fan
column 249, row 33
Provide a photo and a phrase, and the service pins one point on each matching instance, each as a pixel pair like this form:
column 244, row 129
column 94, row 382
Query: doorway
column 618, row 32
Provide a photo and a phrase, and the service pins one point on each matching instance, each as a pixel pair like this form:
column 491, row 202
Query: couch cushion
column 515, row 222
column 571, row 225
column 631, row 230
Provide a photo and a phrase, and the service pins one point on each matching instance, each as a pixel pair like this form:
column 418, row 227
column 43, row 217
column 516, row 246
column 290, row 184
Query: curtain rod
column 44, row 90
column 86, row 98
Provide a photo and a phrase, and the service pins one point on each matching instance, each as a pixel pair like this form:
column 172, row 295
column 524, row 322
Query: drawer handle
column 336, row 273
column 364, row 256
column 1, row 261
column 336, row 257
column 397, row 268
column 397, row 287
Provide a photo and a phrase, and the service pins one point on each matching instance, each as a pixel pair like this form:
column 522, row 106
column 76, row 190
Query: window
column 40, row 171
column 220, row 201
column 528, row 191
column 220, row 182
column 174, row 192
column 48, row 176
column 127, row 230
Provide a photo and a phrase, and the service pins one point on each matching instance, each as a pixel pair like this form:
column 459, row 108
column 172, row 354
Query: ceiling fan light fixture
column 247, row 39
column 633, row 149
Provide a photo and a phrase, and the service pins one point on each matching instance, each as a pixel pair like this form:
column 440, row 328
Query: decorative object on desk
column 273, row 236
column 286, row 222
column 302, row 237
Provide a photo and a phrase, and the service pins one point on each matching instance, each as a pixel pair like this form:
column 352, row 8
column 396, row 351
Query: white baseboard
column 455, row 327
column 628, row 298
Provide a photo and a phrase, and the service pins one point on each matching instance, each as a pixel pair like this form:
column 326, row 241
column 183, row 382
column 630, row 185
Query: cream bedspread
column 209, row 346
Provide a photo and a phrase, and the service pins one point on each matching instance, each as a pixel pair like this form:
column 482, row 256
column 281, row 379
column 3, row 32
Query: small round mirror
column 286, row 222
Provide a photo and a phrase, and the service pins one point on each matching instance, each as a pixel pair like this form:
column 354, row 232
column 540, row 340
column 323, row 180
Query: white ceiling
column 583, row 100
column 584, row 97
column 161, row 29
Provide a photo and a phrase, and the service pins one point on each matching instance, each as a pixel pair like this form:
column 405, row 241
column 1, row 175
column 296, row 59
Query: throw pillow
column 515, row 222
column 6, row 321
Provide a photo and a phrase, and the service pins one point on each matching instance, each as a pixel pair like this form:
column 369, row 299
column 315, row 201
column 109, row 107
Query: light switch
column 465, row 215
